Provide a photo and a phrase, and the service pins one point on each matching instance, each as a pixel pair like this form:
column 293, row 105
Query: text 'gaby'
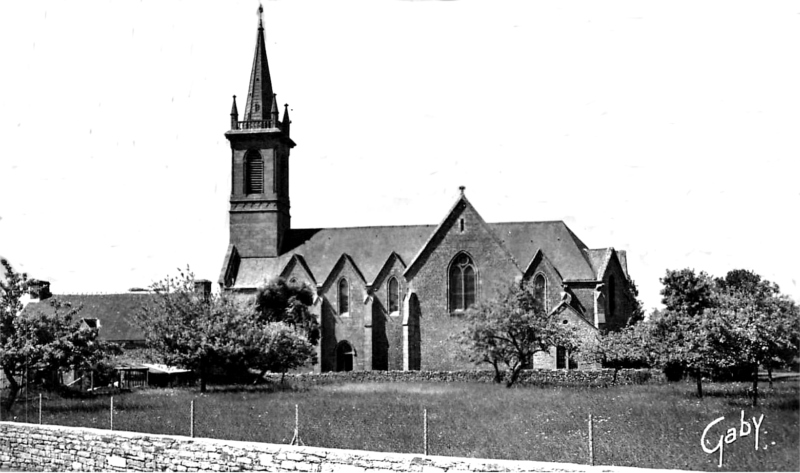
column 731, row 434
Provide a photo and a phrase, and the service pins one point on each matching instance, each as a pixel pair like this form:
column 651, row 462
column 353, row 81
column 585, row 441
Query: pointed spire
column 274, row 111
column 234, row 110
column 286, row 114
column 286, row 122
column 234, row 115
column 259, row 94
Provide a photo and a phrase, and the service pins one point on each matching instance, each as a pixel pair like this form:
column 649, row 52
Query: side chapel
column 388, row 298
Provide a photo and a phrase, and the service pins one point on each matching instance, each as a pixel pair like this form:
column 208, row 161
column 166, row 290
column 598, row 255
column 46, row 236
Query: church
column 389, row 297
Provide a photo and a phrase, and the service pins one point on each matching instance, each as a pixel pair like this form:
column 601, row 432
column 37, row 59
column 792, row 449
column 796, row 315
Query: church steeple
column 259, row 94
column 260, row 146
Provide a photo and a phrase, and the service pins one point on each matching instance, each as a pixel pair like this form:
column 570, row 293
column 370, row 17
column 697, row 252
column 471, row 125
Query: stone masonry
column 55, row 448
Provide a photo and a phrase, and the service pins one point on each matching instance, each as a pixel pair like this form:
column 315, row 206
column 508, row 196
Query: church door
column 344, row 356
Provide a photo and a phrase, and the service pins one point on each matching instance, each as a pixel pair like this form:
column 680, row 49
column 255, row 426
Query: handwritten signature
column 730, row 435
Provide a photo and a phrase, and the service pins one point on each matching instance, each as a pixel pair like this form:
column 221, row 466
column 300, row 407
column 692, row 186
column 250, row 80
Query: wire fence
column 200, row 417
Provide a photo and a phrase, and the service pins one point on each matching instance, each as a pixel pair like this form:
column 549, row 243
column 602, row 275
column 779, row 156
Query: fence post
column 112, row 413
column 591, row 442
column 425, row 430
column 40, row 408
column 296, row 437
column 191, row 420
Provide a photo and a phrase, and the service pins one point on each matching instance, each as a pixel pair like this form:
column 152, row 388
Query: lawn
column 656, row 426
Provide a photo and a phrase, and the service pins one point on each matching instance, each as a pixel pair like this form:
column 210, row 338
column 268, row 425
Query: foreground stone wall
column 599, row 377
column 55, row 448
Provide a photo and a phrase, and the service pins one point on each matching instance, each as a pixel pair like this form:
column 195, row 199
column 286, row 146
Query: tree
column 630, row 347
column 686, row 292
column 637, row 311
column 41, row 340
column 288, row 303
column 281, row 302
column 205, row 334
column 692, row 343
column 761, row 325
column 509, row 330
column 687, row 333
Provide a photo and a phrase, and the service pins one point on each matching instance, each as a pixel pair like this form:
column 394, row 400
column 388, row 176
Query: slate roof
column 321, row 248
column 114, row 311
column 600, row 257
column 370, row 247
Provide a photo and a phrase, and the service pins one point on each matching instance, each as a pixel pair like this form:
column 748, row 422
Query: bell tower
column 260, row 145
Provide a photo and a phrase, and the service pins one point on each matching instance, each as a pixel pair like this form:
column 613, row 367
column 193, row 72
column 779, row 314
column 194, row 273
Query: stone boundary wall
column 599, row 378
column 55, row 448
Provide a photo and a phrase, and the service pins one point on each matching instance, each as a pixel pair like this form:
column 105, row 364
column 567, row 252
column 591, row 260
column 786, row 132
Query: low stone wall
column 601, row 377
column 55, row 448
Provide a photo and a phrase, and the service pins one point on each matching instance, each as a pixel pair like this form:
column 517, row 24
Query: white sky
column 668, row 129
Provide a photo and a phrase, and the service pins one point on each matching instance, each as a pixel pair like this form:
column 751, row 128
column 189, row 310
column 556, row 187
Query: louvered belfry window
column 463, row 283
column 254, row 173
column 394, row 295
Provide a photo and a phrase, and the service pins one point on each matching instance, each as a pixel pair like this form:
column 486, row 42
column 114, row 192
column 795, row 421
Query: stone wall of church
column 622, row 301
column 495, row 270
column 349, row 327
column 583, row 359
column 387, row 328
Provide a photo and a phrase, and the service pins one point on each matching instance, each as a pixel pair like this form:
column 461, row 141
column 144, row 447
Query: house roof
column 370, row 248
column 113, row 311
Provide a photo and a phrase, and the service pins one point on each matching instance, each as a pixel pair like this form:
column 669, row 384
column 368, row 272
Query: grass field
column 656, row 426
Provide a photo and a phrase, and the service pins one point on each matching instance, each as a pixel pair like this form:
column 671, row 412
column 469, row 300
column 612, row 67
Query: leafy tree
column 686, row 292
column 637, row 310
column 691, row 342
column 185, row 329
column 686, row 334
column 761, row 326
column 288, row 303
column 506, row 332
column 631, row 347
column 41, row 340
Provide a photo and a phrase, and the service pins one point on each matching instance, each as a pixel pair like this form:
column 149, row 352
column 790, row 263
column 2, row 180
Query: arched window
column 394, row 295
column 344, row 297
column 463, row 283
column 540, row 289
column 254, row 173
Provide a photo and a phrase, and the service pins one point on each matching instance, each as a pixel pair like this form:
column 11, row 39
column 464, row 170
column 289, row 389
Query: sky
column 666, row 129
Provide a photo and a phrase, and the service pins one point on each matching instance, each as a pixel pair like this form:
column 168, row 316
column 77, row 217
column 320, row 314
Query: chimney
column 203, row 287
column 38, row 289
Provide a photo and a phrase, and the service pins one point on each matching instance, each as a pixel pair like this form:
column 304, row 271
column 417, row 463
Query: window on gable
column 394, row 295
column 344, row 297
column 254, row 173
column 463, row 282
column 540, row 289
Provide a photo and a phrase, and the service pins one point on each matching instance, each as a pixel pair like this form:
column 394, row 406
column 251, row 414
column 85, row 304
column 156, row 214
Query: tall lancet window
column 540, row 289
column 254, row 173
column 344, row 297
column 463, row 283
column 394, row 295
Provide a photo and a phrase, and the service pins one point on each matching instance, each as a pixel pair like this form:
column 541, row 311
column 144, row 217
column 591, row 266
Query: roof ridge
column 528, row 221
column 367, row 227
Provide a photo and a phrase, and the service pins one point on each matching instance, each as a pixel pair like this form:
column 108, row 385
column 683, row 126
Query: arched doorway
column 344, row 356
